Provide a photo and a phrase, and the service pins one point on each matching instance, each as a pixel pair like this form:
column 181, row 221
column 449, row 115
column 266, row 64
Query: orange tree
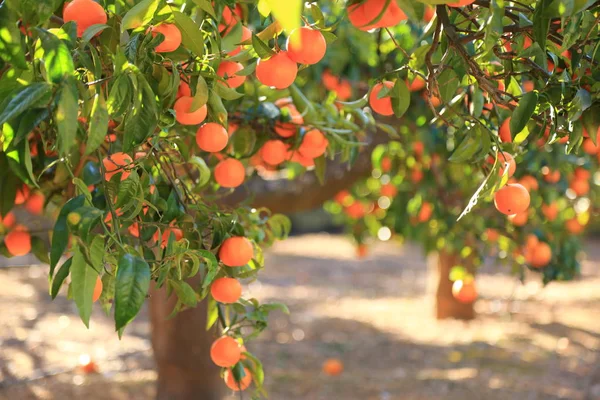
column 157, row 134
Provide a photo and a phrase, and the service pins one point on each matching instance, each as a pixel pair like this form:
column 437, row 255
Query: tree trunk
column 181, row 349
column 446, row 305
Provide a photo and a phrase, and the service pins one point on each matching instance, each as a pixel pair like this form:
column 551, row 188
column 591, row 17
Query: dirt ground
column 374, row 314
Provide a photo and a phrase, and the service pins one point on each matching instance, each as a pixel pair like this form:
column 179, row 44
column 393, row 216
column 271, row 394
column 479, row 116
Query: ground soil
column 375, row 314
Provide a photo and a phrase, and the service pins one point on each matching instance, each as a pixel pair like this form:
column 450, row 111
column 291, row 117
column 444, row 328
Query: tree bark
column 446, row 305
column 181, row 349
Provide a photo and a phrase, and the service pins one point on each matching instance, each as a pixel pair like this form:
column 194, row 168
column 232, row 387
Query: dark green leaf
column 98, row 124
column 140, row 14
column 191, row 35
column 11, row 51
column 522, row 114
column 400, row 98
column 131, row 288
column 57, row 57
column 60, row 277
column 262, row 49
column 65, row 115
column 448, row 83
column 60, row 235
column 29, row 96
column 83, row 281
column 184, row 292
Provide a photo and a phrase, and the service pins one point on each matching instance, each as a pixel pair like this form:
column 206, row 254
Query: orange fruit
column 304, row 161
column 512, row 199
column 429, row 13
column 504, row 131
column 183, row 113
column 357, row 17
column 540, row 255
column 464, row 292
column 274, row 152
column 178, row 233
column 417, row 84
column 278, row 71
column 341, row 196
column 580, row 187
column 233, row 384
column 392, row 16
column 18, row 241
column 582, row 173
column 519, row 219
column 573, row 226
column 386, row 164
column 492, row 234
column 246, row 35
column 306, row 45
column 416, row 175
column 183, row 90
column 425, row 212
column 9, row 220
column 550, row 211
column 290, row 128
column 134, row 229
column 231, row 17
column 589, row 147
column 225, row 352
column 388, row 190
column 333, row 367
column 461, row 3
column 228, row 71
column 529, row 182
column 356, row 210
column 226, row 290
column 528, row 86
column 344, row 90
column 35, row 203
column 172, row 37
column 116, row 163
column 381, row 106
column 236, row 251
column 361, row 251
column 84, row 13
column 330, row 81
column 314, row 144
column 22, row 194
column 503, row 158
column 212, row 137
column 230, row 173
column 97, row 290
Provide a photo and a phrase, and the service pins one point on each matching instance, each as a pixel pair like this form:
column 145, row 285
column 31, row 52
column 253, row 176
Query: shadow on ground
column 374, row 314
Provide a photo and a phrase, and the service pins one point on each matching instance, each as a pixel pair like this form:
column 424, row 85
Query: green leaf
column 141, row 123
column 92, row 31
column 581, row 102
column 212, row 313
column 232, row 39
column 120, row 96
column 139, row 15
column 448, row 83
column 60, row 277
column 60, row 234
column 191, row 35
column 201, row 95
column 262, row 49
column 98, row 124
column 465, row 150
column 541, row 25
column 57, row 57
column 400, row 98
column 320, row 167
column 40, row 249
column 65, row 115
column 206, row 6
column 11, row 51
column 83, row 281
column 30, row 96
column 523, row 112
column 185, row 293
column 203, row 171
column 8, row 186
column 133, row 282
column 413, row 9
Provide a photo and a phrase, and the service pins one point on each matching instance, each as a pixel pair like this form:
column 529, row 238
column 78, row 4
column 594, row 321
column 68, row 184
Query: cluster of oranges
column 18, row 238
column 227, row 352
column 538, row 254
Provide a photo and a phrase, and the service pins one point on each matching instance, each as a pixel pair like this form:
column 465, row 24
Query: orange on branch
column 212, row 137
column 35, row 203
column 582, row 173
column 18, row 241
column 550, row 211
column 464, row 292
column 236, row 251
column 184, row 114
column 425, row 212
column 581, row 187
column 8, row 220
column 461, row 3
column 183, row 90
column 177, row 233
column 574, row 226
column 306, row 45
column 504, row 131
column 117, row 163
column 246, row 35
column 381, row 106
column 519, row 219
column 314, row 144
column 243, row 384
column 225, row 352
column 333, row 367
column 278, row 71
column 172, row 39
column 228, row 71
column 226, row 290
column 84, row 13
column 540, row 255
column 230, row 173
column 512, row 199
column 274, row 152
column 22, row 195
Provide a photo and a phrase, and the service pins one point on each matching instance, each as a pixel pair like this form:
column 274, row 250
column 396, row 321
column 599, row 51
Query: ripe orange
column 425, row 212
column 9, row 220
column 386, row 164
column 212, row 137
column 237, row 386
column 236, row 251
column 228, row 71
column 580, row 187
column 333, row 367
column 381, row 106
column 416, row 175
column 230, row 173
column 388, row 190
column 306, row 45
column 540, row 255
column 117, row 163
column 183, row 90
column 504, row 131
column 178, row 233
column 528, row 86
column 278, row 71
column 551, row 176
column 84, row 13
column 183, row 113
column 503, row 158
column 573, row 226
column 582, row 173
column 304, row 161
column 529, row 182
column 290, row 128
column 512, row 199
column 18, row 241
column 274, row 152
column 22, row 194
column 226, row 290
column 356, row 210
column 550, row 211
column 231, row 17
column 492, row 234
column 461, row 3
column 225, row 351
column 358, row 17
column 464, row 292
column 361, row 251
column 330, row 81
column 172, row 37
column 392, row 16
column 589, row 147
column 246, row 34
column 519, row 219
column 344, row 90
column 429, row 13
column 134, row 229
column 97, row 290
column 35, row 203
column 314, row 144
column 341, row 196
column 417, row 84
